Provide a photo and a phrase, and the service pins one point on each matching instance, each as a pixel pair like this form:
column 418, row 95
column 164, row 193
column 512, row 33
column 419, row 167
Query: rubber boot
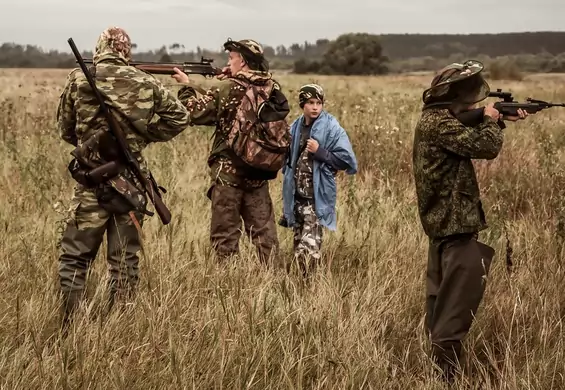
column 447, row 357
column 71, row 300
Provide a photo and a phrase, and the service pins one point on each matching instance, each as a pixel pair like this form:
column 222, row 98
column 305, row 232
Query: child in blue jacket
column 320, row 147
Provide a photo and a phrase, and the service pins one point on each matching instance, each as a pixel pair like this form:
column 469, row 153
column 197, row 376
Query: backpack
column 260, row 134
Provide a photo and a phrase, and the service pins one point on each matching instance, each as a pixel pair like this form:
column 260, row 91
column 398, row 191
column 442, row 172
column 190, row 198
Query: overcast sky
column 207, row 23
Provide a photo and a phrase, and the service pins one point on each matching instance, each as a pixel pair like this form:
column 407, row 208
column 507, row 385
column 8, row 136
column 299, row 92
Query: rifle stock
column 150, row 188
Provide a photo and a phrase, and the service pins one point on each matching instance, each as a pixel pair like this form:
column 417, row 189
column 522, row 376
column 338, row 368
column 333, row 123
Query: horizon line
column 43, row 48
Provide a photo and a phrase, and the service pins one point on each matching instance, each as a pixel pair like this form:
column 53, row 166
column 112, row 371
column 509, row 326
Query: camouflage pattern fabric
column 456, row 73
column 83, row 236
column 113, row 41
column 446, row 184
column 231, row 205
column 310, row 91
column 451, row 211
column 134, row 97
column 251, row 51
column 304, row 172
column 308, row 234
column 262, row 144
column 149, row 113
column 237, row 192
column 218, row 107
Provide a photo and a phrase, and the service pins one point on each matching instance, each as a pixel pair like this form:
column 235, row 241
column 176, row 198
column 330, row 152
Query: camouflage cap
column 441, row 85
column 310, row 91
column 112, row 41
column 251, row 51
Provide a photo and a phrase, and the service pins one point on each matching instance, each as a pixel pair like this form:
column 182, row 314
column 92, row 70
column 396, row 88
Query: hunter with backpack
column 251, row 141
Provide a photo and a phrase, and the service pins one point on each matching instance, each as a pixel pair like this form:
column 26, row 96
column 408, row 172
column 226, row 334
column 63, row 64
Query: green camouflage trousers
column 232, row 205
column 82, row 238
column 308, row 234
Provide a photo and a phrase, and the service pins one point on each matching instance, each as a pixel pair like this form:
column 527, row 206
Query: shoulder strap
column 292, row 158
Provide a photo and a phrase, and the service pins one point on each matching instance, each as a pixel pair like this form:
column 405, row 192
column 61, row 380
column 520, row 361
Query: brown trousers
column 231, row 205
column 456, row 281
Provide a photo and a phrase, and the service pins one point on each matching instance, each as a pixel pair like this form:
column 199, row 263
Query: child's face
column 312, row 108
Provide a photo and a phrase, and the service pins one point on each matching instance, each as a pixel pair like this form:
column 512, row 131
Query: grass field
column 358, row 324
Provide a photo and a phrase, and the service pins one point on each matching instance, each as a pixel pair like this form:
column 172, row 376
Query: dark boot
column 120, row 294
column 447, row 357
column 71, row 300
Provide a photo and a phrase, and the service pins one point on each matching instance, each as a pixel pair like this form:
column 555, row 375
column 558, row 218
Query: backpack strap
column 243, row 84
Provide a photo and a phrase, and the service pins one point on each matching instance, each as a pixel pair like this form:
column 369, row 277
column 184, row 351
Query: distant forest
column 529, row 52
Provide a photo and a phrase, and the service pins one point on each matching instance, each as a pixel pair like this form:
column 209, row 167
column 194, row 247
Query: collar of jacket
column 437, row 105
column 110, row 58
column 322, row 119
column 253, row 76
column 303, row 120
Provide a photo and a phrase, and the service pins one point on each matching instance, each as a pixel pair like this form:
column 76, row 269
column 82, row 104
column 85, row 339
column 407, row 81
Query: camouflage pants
column 231, row 205
column 457, row 268
column 81, row 241
column 308, row 235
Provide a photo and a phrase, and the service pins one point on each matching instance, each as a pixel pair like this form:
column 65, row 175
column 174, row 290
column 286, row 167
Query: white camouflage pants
column 307, row 234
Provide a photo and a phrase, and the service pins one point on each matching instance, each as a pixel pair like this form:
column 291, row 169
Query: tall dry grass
column 358, row 324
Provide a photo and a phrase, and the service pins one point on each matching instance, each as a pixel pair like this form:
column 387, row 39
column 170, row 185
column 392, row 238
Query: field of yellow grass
column 357, row 325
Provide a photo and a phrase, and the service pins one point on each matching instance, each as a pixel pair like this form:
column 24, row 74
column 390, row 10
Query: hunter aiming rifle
column 507, row 107
column 204, row 67
column 150, row 187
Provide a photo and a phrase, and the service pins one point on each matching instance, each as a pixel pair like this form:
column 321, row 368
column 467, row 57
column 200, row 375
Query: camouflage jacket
column 446, row 185
column 217, row 107
column 148, row 112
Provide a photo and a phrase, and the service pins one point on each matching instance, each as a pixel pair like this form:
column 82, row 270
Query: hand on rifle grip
column 180, row 76
column 492, row 112
column 225, row 73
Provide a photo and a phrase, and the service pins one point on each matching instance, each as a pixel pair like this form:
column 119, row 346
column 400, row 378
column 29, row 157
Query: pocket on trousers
column 72, row 212
column 487, row 255
column 468, row 255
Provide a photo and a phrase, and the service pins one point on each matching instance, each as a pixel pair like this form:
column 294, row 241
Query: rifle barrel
column 204, row 68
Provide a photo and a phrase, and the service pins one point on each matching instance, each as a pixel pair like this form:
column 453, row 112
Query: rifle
column 204, row 67
column 508, row 107
column 149, row 186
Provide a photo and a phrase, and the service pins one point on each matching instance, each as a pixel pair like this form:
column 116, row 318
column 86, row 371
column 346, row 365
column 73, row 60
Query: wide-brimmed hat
column 251, row 51
column 455, row 82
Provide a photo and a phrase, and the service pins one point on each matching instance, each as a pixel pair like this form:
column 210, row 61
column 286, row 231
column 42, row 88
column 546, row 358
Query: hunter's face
column 313, row 107
column 235, row 62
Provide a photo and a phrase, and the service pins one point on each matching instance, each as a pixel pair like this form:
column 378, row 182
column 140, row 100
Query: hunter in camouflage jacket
column 149, row 113
column 448, row 193
column 238, row 192
column 217, row 107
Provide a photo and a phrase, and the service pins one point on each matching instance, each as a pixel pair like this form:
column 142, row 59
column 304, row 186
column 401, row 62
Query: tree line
column 353, row 53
